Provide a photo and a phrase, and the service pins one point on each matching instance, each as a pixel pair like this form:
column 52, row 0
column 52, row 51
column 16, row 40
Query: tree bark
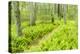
column 58, row 10
column 64, row 15
column 32, row 14
column 17, row 16
column 52, row 14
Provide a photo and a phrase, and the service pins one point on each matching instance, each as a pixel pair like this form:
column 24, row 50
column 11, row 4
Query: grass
column 63, row 39
column 30, row 33
column 66, row 38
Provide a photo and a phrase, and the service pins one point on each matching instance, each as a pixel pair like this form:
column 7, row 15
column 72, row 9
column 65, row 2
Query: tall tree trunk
column 17, row 16
column 61, row 11
column 58, row 10
column 55, row 9
column 52, row 14
column 35, row 12
column 32, row 14
column 64, row 15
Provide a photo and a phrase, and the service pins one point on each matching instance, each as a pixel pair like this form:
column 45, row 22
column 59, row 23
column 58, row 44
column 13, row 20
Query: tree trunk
column 55, row 8
column 58, row 10
column 61, row 15
column 32, row 14
column 52, row 14
column 18, row 20
column 64, row 15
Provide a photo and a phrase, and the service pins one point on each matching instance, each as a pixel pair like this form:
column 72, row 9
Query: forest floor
column 36, row 42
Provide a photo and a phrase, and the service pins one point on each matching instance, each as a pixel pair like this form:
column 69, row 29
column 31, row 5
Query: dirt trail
column 45, row 37
column 36, row 42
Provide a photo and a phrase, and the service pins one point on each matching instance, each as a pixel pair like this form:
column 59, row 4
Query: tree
column 61, row 11
column 58, row 10
column 32, row 14
column 64, row 14
column 17, row 16
column 55, row 8
column 52, row 14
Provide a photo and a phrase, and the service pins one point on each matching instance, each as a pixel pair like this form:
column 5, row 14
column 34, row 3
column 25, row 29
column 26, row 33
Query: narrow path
column 36, row 42
column 49, row 35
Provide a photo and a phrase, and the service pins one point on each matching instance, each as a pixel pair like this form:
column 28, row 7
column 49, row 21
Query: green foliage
column 72, row 12
column 29, row 34
column 18, row 44
column 64, row 39
column 37, row 31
